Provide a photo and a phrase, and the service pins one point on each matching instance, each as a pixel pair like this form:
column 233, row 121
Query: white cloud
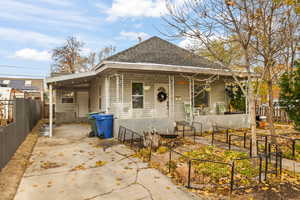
column 57, row 2
column 32, row 54
column 138, row 8
column 133, row 35
column 22, row 36
column 45, row 16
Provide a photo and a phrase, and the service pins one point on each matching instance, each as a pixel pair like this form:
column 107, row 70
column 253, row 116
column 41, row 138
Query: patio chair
column 188, row 110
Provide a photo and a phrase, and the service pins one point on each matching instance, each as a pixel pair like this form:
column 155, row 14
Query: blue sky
column 29, row 29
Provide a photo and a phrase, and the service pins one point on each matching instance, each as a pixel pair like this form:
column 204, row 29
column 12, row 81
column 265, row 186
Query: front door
column 161, row 98
column 83, row 103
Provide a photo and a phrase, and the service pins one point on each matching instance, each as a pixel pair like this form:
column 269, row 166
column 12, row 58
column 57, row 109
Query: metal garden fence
column 232, row 175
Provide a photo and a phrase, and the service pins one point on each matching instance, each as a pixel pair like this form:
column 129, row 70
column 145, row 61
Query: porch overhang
column 78, row 78
column 169, row 68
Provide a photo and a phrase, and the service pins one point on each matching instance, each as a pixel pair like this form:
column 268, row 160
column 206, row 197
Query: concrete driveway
column 71, row 166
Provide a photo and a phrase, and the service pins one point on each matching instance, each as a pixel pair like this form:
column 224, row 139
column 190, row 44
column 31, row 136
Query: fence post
column 189, row 174
column 280, row 163
column 260, row 168
column 124, row 135
column 201, row 129
column 276, row 161
column 232, row 177
column 250, row 147
column 131, row 142
column 212, row 137
column 227, row 136
column 294, row 148
column 266, row 145
column 266, row 167
column 229, row 143
column 150, row 153
column 194, row 135
column 170, row 157
column 245, row 133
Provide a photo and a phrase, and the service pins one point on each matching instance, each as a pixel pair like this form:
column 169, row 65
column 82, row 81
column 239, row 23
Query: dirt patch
column 11, row 175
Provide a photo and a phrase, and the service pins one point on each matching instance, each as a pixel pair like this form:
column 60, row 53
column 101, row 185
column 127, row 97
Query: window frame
column 64, row 97
column 131, row 95
column 208, row 98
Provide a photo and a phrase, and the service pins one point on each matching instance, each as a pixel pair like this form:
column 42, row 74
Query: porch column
column 50, row 110
column 173, row 93
column 169, row 98
column 191, row 101
column 107, row 94
column 122, row 89
column 118, row 88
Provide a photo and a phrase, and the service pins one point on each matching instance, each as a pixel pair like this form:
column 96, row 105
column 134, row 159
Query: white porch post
column 122, row 89
column 173, row 93
column 191, row 101
column 169, row 107
column 107, row 94
column 50, row 110
column 118, row 88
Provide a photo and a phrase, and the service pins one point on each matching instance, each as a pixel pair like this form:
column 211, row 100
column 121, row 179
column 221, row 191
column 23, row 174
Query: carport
column 72, row 96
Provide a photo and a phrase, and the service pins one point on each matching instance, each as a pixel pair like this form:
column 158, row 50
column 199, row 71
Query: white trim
column 147, row 67
column 173, row 68
column 70, row 77
column 50, row 110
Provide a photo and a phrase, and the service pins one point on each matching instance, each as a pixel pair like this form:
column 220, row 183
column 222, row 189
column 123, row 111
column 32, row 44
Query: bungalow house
column 149, row 85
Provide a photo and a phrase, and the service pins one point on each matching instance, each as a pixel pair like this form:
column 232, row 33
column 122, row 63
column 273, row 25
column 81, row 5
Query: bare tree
column 106, row 52
column 226, row 21
column 265, row 31
column 273, row 42
column 67, row 58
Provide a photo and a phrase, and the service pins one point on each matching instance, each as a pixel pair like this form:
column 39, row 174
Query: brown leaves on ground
column 50, row 165
column 78, row 167
column 100, row 163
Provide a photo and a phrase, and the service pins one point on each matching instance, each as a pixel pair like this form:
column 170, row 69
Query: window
column 67, row 97
column 201, row 96
column 137, row 95
column 27, row 82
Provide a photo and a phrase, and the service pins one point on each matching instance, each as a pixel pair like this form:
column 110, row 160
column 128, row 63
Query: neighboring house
column 149, row 85
column 31, row 88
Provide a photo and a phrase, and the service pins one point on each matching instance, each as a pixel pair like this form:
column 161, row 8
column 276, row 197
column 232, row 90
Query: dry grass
column 11, row 175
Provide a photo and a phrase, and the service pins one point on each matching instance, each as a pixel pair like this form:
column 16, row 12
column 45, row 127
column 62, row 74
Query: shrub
column 290, row 94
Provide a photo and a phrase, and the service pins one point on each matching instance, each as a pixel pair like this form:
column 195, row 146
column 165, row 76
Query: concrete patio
column 71, row 166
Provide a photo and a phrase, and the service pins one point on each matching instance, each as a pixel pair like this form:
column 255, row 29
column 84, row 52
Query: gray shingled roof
column 159, row 51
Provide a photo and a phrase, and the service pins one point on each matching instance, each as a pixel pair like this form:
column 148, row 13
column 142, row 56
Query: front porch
column 154, row 98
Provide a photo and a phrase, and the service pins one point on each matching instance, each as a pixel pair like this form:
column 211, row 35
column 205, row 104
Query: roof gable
column 159, row 51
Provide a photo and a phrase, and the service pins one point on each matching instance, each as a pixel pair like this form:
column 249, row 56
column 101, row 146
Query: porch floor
column 71, row 166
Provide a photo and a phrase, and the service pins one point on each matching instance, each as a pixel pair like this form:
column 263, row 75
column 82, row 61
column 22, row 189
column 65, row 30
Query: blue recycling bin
column 104, row 123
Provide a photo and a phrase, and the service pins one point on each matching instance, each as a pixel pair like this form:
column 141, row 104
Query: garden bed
column 211, row 171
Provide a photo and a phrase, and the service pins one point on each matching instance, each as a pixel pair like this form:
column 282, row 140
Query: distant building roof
column 19, row 84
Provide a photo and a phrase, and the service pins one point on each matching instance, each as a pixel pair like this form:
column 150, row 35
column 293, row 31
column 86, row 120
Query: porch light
column 147, row 87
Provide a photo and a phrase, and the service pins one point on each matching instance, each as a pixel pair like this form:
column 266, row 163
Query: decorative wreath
column 162, row 96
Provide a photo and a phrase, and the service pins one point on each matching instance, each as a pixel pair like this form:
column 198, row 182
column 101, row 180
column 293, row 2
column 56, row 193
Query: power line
column 23, row 75
column 20, row 67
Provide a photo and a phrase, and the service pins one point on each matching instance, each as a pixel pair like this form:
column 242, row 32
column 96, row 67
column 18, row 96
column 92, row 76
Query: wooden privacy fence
column 26, row 114
column 279, row 114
